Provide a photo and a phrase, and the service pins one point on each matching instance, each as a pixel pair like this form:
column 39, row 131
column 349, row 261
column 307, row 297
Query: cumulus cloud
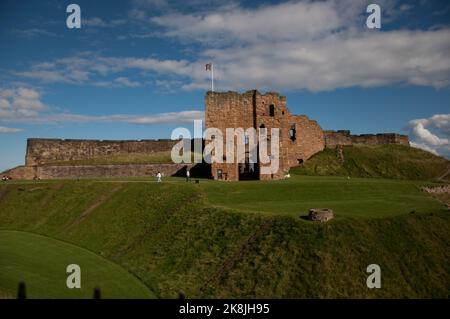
column 20, row 102
column 87, row 68
column 317, row 46
column 366, row 60
column 280, row 22
column 312, row 45
column 431, row 134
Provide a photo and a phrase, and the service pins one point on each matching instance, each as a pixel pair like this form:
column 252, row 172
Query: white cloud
column 24, row 105
column 317, row 46
column 431, row 134
column 100, row 23
column 372, row 59
column 87, row 68
column 424, row 147
column 4, row 129
column 118, row 82
column 20, row 102
column 160, row 118
column 31, row 33
column 287, row 21
column 172, row 117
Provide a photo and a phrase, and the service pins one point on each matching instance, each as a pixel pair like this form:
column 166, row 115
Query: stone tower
column 299, row 136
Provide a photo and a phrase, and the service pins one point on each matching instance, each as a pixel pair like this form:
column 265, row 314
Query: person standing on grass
column 158, row 177
column 188, row 176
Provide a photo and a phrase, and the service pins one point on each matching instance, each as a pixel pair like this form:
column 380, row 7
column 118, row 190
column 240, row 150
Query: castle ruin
column 300, row 138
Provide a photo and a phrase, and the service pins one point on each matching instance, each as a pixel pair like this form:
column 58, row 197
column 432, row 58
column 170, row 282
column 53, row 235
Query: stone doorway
column 248, row 171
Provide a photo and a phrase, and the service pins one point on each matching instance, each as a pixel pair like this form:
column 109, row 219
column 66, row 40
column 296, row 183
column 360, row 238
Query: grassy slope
column 387, row 161
column 41, row 263
column 355, row 197
column 170, row 237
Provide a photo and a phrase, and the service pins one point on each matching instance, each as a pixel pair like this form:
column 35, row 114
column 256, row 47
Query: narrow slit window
column 272, row 110
column 292, row 133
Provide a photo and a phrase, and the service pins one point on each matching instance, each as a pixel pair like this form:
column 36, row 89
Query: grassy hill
column 40, row 262
column 386, row 161
column 247, row 239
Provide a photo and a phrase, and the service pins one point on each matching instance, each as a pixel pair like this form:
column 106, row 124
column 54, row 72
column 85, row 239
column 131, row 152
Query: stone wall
column 42, row 151
column 123, row 170
column 94, row 171
column 343, row 137
column 21, row 172
column 254, row 110
column 300, row 138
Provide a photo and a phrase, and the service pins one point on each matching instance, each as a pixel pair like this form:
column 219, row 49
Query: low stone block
column 321, row 214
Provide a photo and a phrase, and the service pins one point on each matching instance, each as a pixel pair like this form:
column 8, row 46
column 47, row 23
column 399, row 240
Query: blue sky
column 135, row 69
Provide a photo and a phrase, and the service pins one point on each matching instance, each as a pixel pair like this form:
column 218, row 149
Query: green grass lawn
column 174, row 236
column 354, row 197
column 41, row 263
column 380, row 161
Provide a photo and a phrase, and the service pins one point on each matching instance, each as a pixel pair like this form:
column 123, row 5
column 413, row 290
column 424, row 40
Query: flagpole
column 212, row 77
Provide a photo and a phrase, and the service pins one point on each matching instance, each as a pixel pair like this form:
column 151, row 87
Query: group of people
column 6, row 178
column 159, row 176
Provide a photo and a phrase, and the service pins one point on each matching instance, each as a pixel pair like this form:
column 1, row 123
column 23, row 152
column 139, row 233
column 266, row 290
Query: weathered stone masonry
column 44, row 151
column 343, row 137
column 95, row 171
column 300, row 138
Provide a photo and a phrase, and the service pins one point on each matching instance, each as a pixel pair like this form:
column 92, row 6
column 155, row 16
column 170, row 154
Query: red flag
column 208, row 67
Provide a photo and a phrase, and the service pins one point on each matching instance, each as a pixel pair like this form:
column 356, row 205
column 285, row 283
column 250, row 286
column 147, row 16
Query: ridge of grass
column 381, row 161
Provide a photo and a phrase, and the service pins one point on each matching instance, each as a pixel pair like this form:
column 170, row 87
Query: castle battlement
column 300, row 138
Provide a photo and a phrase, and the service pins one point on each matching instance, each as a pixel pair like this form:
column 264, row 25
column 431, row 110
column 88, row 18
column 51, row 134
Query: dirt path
column 238, row 253
column 441, row 178
column 3, row 191
column 98, row 201
column 51, row 195
column 340, row 153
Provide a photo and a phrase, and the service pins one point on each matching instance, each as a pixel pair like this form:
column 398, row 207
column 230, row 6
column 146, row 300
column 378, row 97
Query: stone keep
column 300, row 137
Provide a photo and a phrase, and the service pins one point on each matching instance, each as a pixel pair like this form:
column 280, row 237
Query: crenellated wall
column 343, row 137
column 300, row 138
column 44, row 151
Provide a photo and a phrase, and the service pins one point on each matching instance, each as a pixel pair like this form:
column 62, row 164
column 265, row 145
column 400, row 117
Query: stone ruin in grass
column 321, row 214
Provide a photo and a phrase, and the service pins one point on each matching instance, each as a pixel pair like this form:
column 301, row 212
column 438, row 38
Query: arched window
column 272, row 110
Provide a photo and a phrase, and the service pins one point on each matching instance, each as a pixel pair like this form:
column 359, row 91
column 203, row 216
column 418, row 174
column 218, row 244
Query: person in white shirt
column 188, row 176
column 158, row 177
